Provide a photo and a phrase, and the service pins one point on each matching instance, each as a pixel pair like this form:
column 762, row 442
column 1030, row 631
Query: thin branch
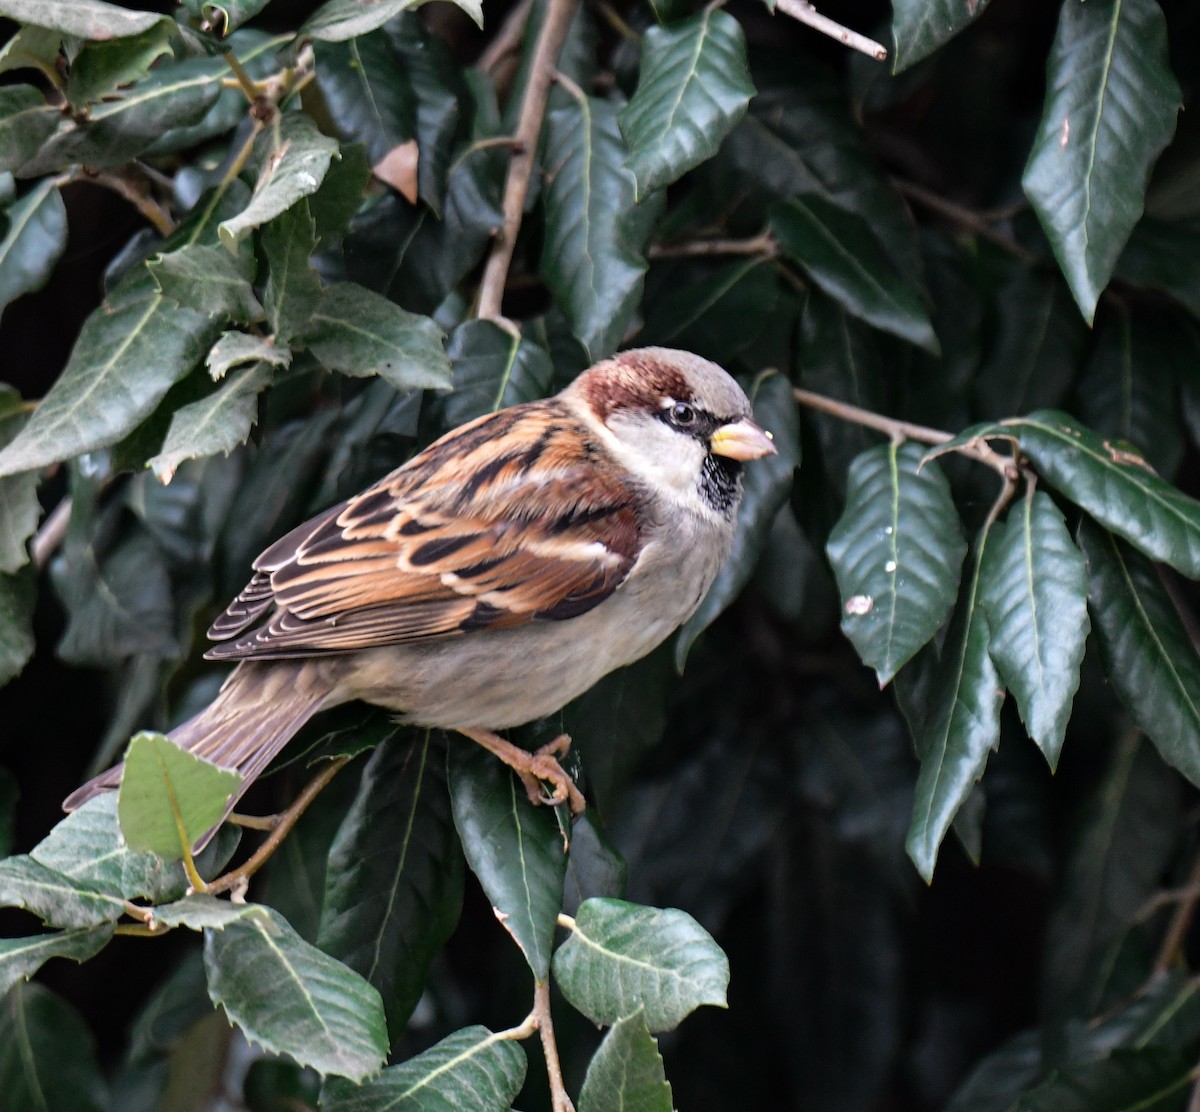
column 549, row 45
column 130, row 185
column 565, row 921
column 1181, row 922
column 508, row 38
column 248, row 85
column 47, row 539
column 286, row 820
column 763, row 244
column 980, row 223
column 807, row 14
column 559, row 1100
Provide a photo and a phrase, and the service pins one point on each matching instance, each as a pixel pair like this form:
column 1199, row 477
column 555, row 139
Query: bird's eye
column 682, row 415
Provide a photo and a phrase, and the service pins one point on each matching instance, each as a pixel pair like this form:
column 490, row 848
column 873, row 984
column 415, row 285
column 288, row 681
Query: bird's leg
column 536, row 767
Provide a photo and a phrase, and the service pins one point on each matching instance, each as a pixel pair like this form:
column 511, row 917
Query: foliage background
column 769, row 790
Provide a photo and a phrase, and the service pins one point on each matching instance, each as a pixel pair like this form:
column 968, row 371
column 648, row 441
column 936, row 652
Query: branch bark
column 803, row 11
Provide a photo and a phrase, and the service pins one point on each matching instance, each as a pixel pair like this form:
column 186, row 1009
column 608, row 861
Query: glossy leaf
column 338, row 20
column 209, row 280
column 47, row 1054
column 358, row 332
column 592, row 254
column 1113, row 483
column 101, row 68
column 218, row 423
column 1034, row 592
column 26, row 121
column 897, row 552
column 512, row 846
column 1110, row 109
column 87, row 19
column 626, row 1072
column 472, row 1068
column 394, row 883
column 292, row 999
column 621, row 957
column 35, row 241
column 17, row 597
column 693, row 87
column 19, row 506
column 961, row 726
column 57, row 900
column 1147, row 653
column 1160, row 255
column 919, row 27
column 838, row 250
column 225, row 16
column 1128, row 1081
column 21, row 958
column 492, row 369
column 293, row 289
column 236, row 349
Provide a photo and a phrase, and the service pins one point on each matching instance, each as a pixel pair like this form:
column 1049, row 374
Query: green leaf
column 919, row 27
column 101, row 68
column 592, row 253
column 1110, row 110
column 55, row 899
column 962, row 723
column 292, row 999
column 1034, row 592
column 1160, row 255
column 622, row 957
column 839, row 251
column 86, row 19
column 293, row 288
column 626, row 1072
column 26, row 121
column 31, row 48
column 897, row 553
column 226, row 16
column 512, row 846
column 394, row 882
column 1128, row 1081
column 170, row 798
column 218, row 423
column 209, row 280
column 766, row 484
column 36, row 239
column 341, row 195
column 1114, row 484
column 47, row 1054
column 293, row 161
column 1147, row 652
column 594, row 867
column 996, row 1082
column 17, row 598
column 693, row 87
column 338, row 20
column 126, row 358
column 360, row 333
column 491, row 369
column 471, row 1068
column 21, row 958
column 19, row 506
column 236, row 349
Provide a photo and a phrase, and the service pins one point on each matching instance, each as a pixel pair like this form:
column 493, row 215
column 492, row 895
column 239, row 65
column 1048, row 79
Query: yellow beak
column 742, row 440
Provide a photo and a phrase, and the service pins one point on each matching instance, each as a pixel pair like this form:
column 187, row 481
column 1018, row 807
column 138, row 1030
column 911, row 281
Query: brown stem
column 1181, row 922
column 134, row 188
column 508, row 38
column 979, row 223
column 47, row 539
column 286, row 820
column 559, row 1101
column 249, row 86
column 549, row 45
column 803, row 11
column 762, row 244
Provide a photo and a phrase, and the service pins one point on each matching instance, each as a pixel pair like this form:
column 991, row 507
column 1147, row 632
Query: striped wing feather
column 469, row 534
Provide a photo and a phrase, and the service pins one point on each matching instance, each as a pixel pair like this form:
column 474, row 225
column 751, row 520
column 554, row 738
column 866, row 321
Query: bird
column 494, row 576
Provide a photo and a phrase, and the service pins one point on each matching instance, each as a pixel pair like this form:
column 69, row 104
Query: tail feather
column 257, row 712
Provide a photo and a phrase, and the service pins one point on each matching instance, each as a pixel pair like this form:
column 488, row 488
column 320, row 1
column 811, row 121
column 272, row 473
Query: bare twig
column 507, row 39
column 249, row 86
column 50, row 535
column 1181, row 922
column 132, row 186
column 762, row 244
column 520, row 168
column 807, row 14
column 559, row 1100
column 982, row 224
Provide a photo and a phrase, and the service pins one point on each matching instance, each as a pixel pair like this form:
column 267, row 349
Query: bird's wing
column 515, row 516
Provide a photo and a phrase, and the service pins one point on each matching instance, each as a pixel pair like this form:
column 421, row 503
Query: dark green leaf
column 897, row 553
column 961, row 725
column 472, row 1068
column 1034, row 592
column 621, row 958
column 338, row 20
column 21, row 958
column 170, row 798
column 358, row 332
column 57, row 900
column 512, row 846
column 36, row 239
column 292, row 999
column 101, row 68
column 626, row 1073
column 919, row 27
column 293, row 288
column 594, row 867
column 1110, row 109
column 341, row 195
column 225, row 16
column 692, row 89
column 47, row 1054
column 1147, row 652
column 592, row 253
column 293, row 161
column 1160, row 255
column 1114, row 484
column 31, row 48
column 1003, row 1076
column 87, row 19
column 209, row 280
column 236, row 349
column 393, row 889
column 26, row 121
column 218, row 423
column 19, row 507
column 1128, row 1081
column 493, row 368
column 766, row 485
column 17, row 597
column 839, row 251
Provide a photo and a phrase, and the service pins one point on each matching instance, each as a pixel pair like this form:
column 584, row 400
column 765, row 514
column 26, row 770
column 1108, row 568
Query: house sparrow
column 496, row 575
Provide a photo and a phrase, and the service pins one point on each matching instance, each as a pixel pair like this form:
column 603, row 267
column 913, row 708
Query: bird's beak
column 742, row 440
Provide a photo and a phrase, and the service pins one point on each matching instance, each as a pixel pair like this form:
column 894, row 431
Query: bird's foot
column 536, row 769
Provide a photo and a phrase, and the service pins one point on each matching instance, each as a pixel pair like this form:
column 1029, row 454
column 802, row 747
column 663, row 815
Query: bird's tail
column 257, row 712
